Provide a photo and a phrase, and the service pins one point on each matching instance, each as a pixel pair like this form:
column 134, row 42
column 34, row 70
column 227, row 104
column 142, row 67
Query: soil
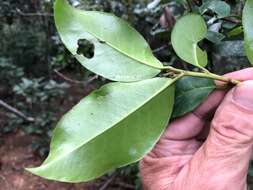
column 17, row 154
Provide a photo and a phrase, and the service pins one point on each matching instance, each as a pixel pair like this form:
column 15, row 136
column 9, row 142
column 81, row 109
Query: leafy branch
column 119, row 123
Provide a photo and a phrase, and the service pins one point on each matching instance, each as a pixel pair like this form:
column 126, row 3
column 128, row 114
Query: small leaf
column 228, row 25
column 248, row 29
column 190, row 93
column 120, row 52
column 215, row 37
column 221, row 8
column 112, row 127
column 186, row 34
column 235, row 31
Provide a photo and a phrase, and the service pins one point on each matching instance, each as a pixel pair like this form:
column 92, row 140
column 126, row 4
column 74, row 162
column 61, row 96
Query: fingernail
column 243, row 94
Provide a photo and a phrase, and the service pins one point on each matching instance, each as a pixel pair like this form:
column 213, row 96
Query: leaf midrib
column 195, row 53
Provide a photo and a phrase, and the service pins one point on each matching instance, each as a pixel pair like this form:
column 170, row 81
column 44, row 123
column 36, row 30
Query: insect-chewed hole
column 85, row 48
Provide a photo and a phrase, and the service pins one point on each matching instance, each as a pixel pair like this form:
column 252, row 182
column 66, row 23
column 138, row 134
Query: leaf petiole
column 182, row 73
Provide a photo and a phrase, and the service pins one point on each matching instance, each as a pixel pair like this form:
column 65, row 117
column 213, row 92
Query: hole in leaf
column 85, row 48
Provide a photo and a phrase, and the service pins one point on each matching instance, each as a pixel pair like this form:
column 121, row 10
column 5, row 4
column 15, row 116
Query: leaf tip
column 34, row 170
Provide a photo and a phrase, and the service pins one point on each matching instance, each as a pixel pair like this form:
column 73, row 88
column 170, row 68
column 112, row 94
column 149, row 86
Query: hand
column 181, row 161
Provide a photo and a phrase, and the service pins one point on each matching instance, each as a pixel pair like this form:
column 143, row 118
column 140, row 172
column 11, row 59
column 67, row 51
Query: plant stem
column 211, row 76
column 201, row 75
column 205, row 70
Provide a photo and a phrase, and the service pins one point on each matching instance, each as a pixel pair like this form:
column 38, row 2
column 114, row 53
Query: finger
column 214, row 100
column 184, row 128
column 242, row 75
column 191, row 124
column 206, row 109
column 225, row 155
column 204, row 133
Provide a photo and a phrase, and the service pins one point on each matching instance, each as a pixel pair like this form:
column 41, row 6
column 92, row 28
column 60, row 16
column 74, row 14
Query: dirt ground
column 17, row 155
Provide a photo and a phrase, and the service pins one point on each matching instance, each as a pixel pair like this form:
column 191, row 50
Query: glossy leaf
column 248, row 29
column 221, row 8
column 112, row 127
column 120, row 52
column 186, row 34
column 191, row 92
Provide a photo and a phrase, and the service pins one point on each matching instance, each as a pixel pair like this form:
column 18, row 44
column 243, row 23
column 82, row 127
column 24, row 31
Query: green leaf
column 221, row 8
column 112, row 127
column 190, row 93
column 186, row 34
column 120, row 52
column 235, row 31
column 248, row 29
column 215, row 37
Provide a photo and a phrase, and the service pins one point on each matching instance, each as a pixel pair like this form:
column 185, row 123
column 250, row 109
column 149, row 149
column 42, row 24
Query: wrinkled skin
column 207, row 149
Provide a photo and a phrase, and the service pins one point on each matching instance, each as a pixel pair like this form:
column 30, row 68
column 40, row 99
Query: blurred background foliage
column 39, row 77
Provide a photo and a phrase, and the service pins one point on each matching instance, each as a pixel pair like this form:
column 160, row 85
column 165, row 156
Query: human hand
column 180, row 161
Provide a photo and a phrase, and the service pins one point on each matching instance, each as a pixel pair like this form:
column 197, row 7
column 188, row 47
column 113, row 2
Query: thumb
column 232, row 126
column 223, row 159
